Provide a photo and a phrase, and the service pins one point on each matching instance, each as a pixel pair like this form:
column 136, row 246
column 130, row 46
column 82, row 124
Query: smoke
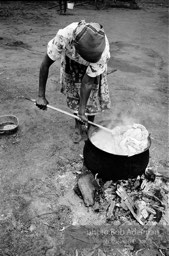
column 125, row 113
column 121, row 119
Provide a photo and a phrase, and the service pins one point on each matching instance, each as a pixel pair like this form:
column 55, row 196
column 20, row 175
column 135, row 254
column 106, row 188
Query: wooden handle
column 74, row 116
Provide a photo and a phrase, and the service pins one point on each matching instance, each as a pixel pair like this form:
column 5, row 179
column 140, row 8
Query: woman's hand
column 41, row 103
column 83, row 117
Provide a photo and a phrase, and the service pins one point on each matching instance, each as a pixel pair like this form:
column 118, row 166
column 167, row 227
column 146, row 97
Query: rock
column 32, row 227
column 87, row 186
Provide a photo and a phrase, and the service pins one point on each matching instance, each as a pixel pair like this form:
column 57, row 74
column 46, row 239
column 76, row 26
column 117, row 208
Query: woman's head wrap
column 89, row 41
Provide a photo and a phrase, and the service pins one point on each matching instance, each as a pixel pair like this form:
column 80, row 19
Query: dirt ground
column 39, row 162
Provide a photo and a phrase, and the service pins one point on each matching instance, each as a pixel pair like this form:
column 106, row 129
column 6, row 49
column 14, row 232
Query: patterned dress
column 73, row 68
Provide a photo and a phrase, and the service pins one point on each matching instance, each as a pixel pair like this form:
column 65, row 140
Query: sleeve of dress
column 96, row 69
column 58, row 44
column 55, row 47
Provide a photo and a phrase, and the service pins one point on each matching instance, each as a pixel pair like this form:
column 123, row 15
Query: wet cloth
column 73, row 68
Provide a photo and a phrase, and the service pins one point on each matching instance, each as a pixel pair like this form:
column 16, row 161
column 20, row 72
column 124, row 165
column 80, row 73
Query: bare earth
column 39, row 162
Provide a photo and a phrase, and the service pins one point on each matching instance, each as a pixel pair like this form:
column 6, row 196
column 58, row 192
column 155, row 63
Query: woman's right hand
column 41, row 102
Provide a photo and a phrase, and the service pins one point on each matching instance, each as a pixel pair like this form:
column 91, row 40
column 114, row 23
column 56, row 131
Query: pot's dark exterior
column 114, row 167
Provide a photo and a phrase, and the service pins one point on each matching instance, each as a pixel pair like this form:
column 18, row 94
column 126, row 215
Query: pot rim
column 95, row 129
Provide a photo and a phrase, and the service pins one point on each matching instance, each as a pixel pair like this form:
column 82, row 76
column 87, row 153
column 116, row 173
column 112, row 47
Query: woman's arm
column 41, row 101
column 86, row 87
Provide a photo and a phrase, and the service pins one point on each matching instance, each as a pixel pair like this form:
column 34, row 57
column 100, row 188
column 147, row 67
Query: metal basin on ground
column 8, row 124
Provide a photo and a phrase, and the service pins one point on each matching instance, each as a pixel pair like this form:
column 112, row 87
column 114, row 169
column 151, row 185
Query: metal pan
column 8, row 124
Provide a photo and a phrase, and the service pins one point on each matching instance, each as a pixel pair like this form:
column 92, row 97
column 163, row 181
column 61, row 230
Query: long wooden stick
column 69, row 114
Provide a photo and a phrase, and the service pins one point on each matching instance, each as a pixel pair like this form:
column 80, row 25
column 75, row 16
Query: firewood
column 111, row 209
column 87, row 186
column 128, row 201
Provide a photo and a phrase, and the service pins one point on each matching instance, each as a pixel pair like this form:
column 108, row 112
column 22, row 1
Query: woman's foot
column 76, row 136
column 62, row 13
column 84, row 132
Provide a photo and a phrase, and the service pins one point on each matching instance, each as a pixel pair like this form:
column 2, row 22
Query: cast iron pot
column 110, row 166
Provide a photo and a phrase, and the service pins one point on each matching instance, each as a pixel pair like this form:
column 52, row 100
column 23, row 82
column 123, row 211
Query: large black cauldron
column 110, row 166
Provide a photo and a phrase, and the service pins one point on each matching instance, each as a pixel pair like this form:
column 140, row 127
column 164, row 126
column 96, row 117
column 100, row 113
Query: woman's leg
column 60, row 6
column 91, row 119
column 76, row 137
column 80, row 132
column 65, row 6
column 85, row 128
